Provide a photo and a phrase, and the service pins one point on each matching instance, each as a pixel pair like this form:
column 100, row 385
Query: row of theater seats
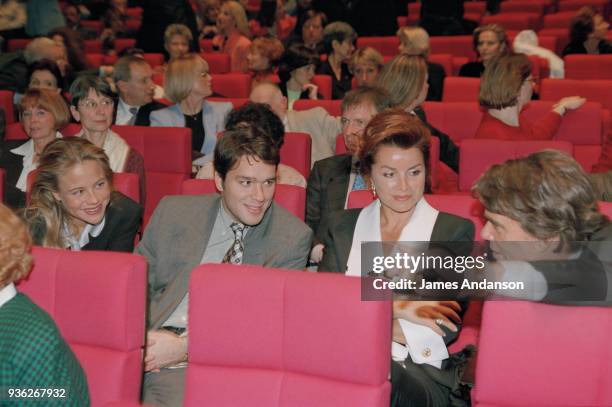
column 313, row 341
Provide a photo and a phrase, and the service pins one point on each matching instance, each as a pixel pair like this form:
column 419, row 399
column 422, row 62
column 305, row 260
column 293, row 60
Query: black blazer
column 436, row 81
column 123, row 220
column 142, row 117
column 12, row 165
column 472, row 69
column 449, row 152
column 339, row 86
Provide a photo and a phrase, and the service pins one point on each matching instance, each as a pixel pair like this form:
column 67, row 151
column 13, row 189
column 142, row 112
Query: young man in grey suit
column 321, row 127
column 242, row 226
column 332, row 179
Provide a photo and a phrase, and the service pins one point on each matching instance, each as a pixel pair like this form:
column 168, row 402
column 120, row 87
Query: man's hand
column 316, row 254
column 426, row 313
column 312, row 90
column 164, row 348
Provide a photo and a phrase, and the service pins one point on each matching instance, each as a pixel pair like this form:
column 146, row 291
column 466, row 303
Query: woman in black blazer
column 394, row 160
column 73, row 203
column 42, row 113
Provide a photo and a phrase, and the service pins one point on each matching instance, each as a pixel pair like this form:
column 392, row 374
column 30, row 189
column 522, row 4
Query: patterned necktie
column 134, row 112
column 359, row 183
column 235, row 252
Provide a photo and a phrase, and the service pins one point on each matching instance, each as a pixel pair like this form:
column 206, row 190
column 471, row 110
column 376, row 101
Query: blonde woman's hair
column 367, row 55
column 58, row 157
column 49, row 100
column 403, row 78
column 177, row 29
column 415, row 41
column 15, row 244
column 240, row 17
column 181, row 74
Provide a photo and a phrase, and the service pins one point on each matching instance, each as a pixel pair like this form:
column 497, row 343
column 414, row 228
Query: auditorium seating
column 558, row 20
column 385, row 45
column 6, row 104
column 460, row 45
column 333, row 107
column 15, row 44
column 290, row 197
column 236, row 102
column 232, row 85
column 593, row 90
column 296, row 152
column 123, row 43
column 534, row 354
column 460, row 89
column 603, row 6
column 324, row 84
column 522, row 6
column 588, row 66
column 97, row 300
column 446, row 60
column 310, row 339
column 477, row 155
column 514, row 21
column 217, row 62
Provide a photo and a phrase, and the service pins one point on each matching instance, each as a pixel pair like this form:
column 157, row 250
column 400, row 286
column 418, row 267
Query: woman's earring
column 373, row 189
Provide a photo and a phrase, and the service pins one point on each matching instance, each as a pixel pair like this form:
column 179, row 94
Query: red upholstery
column 359, row 199
column 558, row 20
column 290, row 197
column 340, row 145
column 296, row 151
column 460, row 45
column 459, row 120
column 324, row 82
column 95, row 60
column 217, row 62
column 475, row 7
column 514, row 21
column 534, row 354
column 16, row 44
column 594, row 90
column 588, row 66
column 167, row 159
column 134, row 12
column 477, row 155
column 460, row 205
column 93, row 46
column 310, row 340
column 97, row 299
column 385, row 45
column 206, row 45
column 522, row 6
column 6, row 103
column 606, row 208
column 236, row 102
column 154, row 59
column 459, row 89
column 123, row 43
column 232, row 85
column 562, row 35
column 446, row 60
column 574, row 5
column 333, row 107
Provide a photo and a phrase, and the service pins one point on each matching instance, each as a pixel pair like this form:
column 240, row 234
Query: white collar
column 125, row 107
column 27, row 148
column 89, row 230
column 7, row 293
column 367, row 229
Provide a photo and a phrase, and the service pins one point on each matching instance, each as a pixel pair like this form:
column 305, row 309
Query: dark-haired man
column 242, row 225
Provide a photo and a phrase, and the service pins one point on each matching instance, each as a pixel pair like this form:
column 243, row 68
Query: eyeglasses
column 92, row 105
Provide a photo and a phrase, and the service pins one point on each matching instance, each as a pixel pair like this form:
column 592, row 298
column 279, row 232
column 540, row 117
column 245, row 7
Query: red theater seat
column 16, row 44
column 477, row 155
column 324, row 82
column 514, row 21
column 333, row 107
column 574, row 5
column 123, row 43
column 6, row 103
column 312, row 341
column 562, row 35
column 97, row 300
column 594, row 90
column 446, row 60
column 522, row 7
column 232, row 85
column 217, row 62
column 236, row 102
column 290, row 197
column 459, row 89
column 475, row 7
column 523, row 357
column 296, row 152
column 459, row 120
column 206, row 45
column 588, row 66
column 385, row 45
column 93, row 25
column 459, row 46
column 558, row 20
column 93, row 46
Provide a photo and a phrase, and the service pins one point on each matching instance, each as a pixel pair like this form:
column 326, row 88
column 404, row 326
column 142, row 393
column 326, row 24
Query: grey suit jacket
column 339, row 239
column 322, row 128
column 178, row 233
column 213, row 115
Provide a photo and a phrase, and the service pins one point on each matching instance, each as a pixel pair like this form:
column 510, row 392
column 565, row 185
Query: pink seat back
column 459, row 46
column 6, row 103
column 514, row 21
column 310, row 340
column 477, row 155
column 459, row 120
column 296, row 152
column 290, row 197
column 446, row 60
column 97, row 299
column 324, row 83
column 333, row 107
column 217, row 62
column 459, row 89
column 232, row 85
column 597, row 90
column 588, row 66
column 533, row 354
column 385, row 45
column 14, row 131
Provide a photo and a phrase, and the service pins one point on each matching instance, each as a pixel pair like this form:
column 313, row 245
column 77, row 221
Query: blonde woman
column 234, row 34
column 365, row 65
column 188, row 84
column 73, row 203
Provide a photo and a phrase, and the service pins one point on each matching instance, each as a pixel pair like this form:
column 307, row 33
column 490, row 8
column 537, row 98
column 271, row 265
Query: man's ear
column 121, row 86
column 334, row 44
column 75, row 113
column 218, row 181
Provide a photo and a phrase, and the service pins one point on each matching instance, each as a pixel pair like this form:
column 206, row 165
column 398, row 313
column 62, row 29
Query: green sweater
column 34, row 355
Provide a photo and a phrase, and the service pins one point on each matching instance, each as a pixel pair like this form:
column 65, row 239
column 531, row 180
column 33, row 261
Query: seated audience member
column 526, row 42
column 405, row 80
column 242, row 225
column 489, row 41
column 263, row 58
column 546, row 200
column 133, row 78
column 73, row 21
column 75, row 54
column 260, row 115
column 207, row 12
column 73, row 204
column 92, row 105
column 14, row 65
column 365, row 65
column 295, row 71
column 234, row 34
column 445, row 17
column 33, row 353
column 415, row 41
column 310, row 33
column 505, row 88
column 338, row 39
column 333, row 178
column 45, row 74
column 316, row 122
column 394, row 158
column 588, row 31
column 177, row 40
column 42, row 113
column 188, row 84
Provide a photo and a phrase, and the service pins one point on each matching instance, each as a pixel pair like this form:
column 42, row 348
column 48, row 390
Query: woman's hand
column 568, row 103
column 431, row 314
column 312, row 90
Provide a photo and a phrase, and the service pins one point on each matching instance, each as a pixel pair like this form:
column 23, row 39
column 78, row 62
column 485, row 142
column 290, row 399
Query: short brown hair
column 122, row 70
column 244, row 140
column 499, row 32
column 377, row 97
column 181, row 74
column 582, row 25
column 395, row 127
column 547, row 192
column 49, row 100
column 501, row 82
column 15, row 245
column 403, row 78
column 271, row 48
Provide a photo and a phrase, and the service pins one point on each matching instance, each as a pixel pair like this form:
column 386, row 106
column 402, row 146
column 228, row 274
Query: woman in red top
column 233, row 38
column 506, row 86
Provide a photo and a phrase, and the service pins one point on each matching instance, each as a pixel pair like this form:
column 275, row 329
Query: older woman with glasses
column 505, row 88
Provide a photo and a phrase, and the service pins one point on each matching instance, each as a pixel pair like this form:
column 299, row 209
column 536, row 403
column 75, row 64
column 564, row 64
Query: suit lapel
column 337, row 188
column 254, row 242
